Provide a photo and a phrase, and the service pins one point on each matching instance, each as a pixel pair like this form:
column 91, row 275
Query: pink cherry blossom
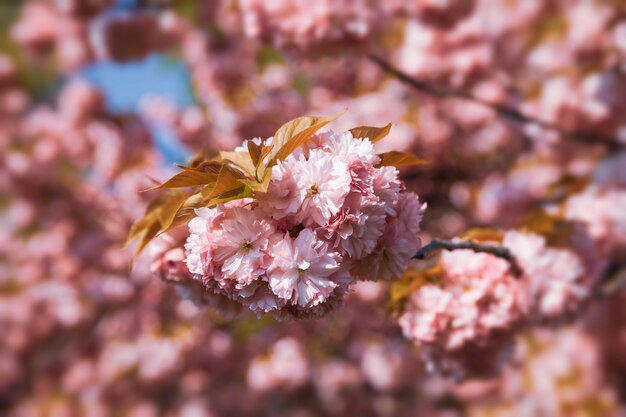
column 323, row 182
column 240, row 246
column 303, row 272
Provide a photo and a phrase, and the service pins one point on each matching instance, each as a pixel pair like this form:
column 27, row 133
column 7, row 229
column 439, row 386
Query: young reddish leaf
column 234, row 194
column 557, row 231
column 399, row 159
column 139, row 226
column 242, row 160
column 255, row 153
column 169, row 210
column 374, row 134
column 195, row 200
column 261, row 169
column 150, row 216
column 209, row 167
column 182, row 217
column 483, row 234
column 265, row 151
column 259, row 186
column 412, row 280
column 148, row 234
column 160, row 215
column 227, row 181
column 294, row 134
column 187, row 178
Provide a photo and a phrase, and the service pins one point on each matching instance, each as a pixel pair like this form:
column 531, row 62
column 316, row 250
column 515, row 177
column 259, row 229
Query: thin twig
column 501, row 109
column 495, row 250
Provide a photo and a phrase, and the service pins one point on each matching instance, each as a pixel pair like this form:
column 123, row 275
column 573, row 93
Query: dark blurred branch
column 501, row 109
column 613, row 280
column 495, row 250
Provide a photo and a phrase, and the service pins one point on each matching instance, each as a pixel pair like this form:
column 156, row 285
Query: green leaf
column 294, row 134
column 399, row 159
column 374, row 134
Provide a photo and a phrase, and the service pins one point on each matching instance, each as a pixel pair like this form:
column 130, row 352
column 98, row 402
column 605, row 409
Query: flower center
column 246, row 246
column 303, row 266
column 313, row 190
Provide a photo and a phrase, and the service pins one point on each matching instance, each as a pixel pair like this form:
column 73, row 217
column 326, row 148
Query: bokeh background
column 98, row 98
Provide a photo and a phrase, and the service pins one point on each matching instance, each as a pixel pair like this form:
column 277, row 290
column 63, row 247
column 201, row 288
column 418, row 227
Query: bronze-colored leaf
column 255, row 153
column 399, row 159
column 182, row 217
column 257, row 186
column 412, row 280
column 294, row 134
column 557, row 231
column 148, row 234
column 374, row 134
column 169, row 210
column 483, row 234
column 187, row 178
column 210, row 167
column 235, row 194
column 265, row 151
column 226, row 182
column 243, row 160
column 150, row 216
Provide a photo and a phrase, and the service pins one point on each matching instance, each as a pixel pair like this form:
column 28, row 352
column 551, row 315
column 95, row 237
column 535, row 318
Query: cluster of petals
column 481, row 304
column 328, row 218
column 478, row 304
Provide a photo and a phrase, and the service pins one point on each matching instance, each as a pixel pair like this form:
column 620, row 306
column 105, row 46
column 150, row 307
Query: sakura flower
column 240, row 245
column 323, row 181
column 199, row 243
column 557, row 280
column 387, row 188
column 282, row 196
column 478, row 304
column 398, row 243
column 258, row 297
column 303, row 272
column 355, row 231
column 597, row 207
column 327, row 216
column 351, row 149
column 286, row 367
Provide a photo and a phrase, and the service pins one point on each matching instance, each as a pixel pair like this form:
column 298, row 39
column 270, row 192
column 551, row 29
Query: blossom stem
column 501, row 109
column 495, row 250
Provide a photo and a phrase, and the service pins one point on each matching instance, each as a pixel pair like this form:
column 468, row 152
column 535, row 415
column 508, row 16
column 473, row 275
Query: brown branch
column 501, row 109
column 495, row 250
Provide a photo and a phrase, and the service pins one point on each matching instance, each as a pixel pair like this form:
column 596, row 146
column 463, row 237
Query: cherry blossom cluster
column 466, row 324
column 84, row 334
column 329, row 216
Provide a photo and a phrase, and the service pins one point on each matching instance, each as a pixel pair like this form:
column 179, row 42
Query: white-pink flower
column 303, row 272
column 350, row 149
column 240, row 246
column 323, row 182
column 199, row 243
column 398, row 244
column 556, row 280
column 475, row 308
column 328, row 215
